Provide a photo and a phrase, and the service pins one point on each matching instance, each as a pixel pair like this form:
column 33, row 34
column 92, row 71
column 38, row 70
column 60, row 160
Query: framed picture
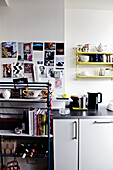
column 56, row 74
column 28, row 70
column 50, row 72
column 38, row 56
column 49, row 46
column 59, row 48
column 18, row 70
column 37, row 46
column 60, row 62
column 7, row 71
column 42, row 71
column 49, row 58
column 24, row 51
column 9, row 49
column 58, row 83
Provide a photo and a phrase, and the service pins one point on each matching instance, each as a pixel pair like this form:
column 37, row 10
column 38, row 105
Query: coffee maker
column 93, row 100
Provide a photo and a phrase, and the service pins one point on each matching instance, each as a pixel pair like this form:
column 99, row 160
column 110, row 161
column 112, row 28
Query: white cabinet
column 96, row 144
column 65, row 132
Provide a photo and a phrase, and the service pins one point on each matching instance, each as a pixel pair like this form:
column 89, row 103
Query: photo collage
column 36, row 60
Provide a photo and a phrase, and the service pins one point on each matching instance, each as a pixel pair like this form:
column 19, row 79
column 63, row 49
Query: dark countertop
column 101, row 113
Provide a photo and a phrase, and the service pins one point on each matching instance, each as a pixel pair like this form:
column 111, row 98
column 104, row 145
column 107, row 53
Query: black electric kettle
column 93, row 100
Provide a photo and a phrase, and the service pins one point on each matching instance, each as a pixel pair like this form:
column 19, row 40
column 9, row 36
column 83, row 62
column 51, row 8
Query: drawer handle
column 75, row 130
column 96, row 122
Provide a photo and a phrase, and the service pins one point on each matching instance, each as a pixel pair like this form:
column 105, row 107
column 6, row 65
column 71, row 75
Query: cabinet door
column 96, row 144
column 65, row 134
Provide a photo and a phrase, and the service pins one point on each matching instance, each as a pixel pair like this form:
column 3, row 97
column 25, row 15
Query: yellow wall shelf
column 92, row 63
column 88, row 53
column 81, row 76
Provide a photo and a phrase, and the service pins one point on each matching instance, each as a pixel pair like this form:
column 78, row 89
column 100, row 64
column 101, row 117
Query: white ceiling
column 4, row 2
column 89, row 4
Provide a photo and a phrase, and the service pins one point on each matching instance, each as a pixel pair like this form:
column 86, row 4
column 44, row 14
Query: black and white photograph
column 49, row 58
column 42, row 71
column 59, row 48
column 49, row 46
column 37, row 46
column 59, row 62
column 50, row 72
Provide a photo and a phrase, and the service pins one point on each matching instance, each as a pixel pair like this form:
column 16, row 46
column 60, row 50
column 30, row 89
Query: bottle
column 102, row 72
column 20, row 149
column 42, row 149
column 33, row 150
column 104, row 58
column 25, row 152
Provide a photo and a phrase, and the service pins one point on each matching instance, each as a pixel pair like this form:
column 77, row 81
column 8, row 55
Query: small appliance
column 93, row 100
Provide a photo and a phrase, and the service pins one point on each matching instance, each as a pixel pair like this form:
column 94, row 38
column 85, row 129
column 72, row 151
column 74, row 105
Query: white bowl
column 84, row 73
column 31, row 93
column 84, row 58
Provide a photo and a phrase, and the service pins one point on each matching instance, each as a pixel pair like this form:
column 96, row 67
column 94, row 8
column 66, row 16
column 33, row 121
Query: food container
column 107, row 71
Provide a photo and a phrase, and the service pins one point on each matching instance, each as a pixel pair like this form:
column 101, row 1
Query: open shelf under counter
column 40, row 100
column 11, row 155
column 11, row 133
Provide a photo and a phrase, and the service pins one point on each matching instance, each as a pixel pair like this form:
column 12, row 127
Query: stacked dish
column 84, row 58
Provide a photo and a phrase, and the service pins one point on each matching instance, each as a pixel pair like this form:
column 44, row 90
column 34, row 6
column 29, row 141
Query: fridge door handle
column 74, row 130
column 97, row 122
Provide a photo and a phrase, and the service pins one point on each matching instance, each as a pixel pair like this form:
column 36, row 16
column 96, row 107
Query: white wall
column 81, row 27
column 32, row 20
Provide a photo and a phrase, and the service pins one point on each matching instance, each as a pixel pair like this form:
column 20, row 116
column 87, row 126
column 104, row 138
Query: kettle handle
column 100, row 98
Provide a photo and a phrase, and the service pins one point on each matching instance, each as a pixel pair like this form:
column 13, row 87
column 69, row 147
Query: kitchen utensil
column 93, row 100
column 101, row 48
